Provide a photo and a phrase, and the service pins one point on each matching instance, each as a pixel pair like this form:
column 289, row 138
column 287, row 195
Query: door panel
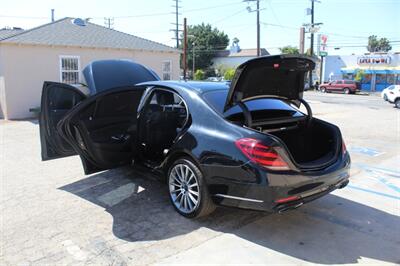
column 57, row 100
column 104, row 129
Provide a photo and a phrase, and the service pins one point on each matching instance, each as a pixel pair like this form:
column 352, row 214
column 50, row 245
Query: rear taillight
column 263, row 155
column 344, row 149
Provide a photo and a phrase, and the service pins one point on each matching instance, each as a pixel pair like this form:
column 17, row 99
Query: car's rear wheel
column 323, row 89
column 346, row 91
column 397, row 103
column 187, row 190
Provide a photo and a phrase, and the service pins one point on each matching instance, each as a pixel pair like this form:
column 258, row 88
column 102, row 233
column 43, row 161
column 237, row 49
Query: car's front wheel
column 323, row 89
column 346, row 91
column 187, row 190
column 385, row 97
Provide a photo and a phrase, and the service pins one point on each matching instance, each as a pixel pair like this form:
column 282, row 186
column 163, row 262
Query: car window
column 216, row 99
column 63, row 99
column 127, row 104
column 349, row 82
column 338, row 82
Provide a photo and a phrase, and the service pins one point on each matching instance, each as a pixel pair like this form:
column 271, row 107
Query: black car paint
column 209, row 139
column 109, row 74
column 280, row 76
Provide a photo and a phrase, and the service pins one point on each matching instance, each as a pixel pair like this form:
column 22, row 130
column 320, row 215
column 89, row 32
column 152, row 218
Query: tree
column 229, row 73
column 199, row 75
column 378, row 45
column 289, row 50
column 205, row 41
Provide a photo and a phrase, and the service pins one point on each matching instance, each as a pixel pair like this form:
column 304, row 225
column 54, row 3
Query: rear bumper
column 267, row 188
column 297, row 203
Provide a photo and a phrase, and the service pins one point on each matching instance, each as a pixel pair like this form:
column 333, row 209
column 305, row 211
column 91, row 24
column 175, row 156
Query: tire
column 385, row 97
column 397, row 103
column 323, row 89
column 185, row 180
column 346, row 91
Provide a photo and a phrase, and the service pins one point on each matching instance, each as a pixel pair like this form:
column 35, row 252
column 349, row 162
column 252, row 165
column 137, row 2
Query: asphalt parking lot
column 53, row 214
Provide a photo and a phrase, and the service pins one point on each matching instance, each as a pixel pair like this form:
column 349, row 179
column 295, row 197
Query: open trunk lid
column 277, row 76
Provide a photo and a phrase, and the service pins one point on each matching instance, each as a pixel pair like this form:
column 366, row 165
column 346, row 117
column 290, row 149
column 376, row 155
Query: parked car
column 384, row 93
column 215, row 79
column 240, row 145
column 344, row 86
column 393, row 96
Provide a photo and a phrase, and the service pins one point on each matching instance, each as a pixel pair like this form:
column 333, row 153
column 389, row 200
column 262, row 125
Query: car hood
column 108, row 74
column 278, row 76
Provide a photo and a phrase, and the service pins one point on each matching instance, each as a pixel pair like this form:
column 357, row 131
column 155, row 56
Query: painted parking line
column 373, row 192
column 383, row 170
column 365, row 151
column 385, row 176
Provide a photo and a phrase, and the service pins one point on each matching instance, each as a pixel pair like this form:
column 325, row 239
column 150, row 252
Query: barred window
column 166, row 70
column 69, row 69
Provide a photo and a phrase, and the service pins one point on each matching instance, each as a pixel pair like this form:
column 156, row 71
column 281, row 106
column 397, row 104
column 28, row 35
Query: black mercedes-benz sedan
column 244, row 144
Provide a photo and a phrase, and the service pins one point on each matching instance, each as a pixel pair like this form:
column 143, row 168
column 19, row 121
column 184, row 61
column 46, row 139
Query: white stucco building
column 58, row 51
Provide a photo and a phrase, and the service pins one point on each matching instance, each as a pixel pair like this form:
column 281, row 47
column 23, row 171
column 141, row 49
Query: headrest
column 165, row 98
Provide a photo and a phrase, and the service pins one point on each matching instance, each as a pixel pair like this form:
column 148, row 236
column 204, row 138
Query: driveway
column 53, row 214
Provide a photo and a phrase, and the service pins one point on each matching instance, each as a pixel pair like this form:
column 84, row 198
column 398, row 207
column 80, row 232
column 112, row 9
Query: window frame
column 61, row 71
column 148, row 95
column 165, row 72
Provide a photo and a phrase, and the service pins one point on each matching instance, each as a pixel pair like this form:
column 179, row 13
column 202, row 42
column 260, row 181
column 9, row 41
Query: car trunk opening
column 313, row 144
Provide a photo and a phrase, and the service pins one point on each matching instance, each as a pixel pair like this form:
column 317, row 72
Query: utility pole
column 184, row 59
column 258, row 29
column 109, row 22
column 193, row 59
column 176, row 23
column 258, row 22
column 52, row 15
column 311, row 41
column 302, row 36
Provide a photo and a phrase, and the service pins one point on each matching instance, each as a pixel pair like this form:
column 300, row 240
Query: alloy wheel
column 184, row 188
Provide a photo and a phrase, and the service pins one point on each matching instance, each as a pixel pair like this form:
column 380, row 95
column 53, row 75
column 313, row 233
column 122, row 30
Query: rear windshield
column 258, row 107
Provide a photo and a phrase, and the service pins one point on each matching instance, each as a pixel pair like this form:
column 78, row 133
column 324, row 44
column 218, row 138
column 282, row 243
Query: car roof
column 199, row 87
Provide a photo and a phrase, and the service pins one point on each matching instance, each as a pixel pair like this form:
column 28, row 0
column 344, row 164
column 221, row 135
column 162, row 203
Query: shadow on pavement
column 331, row 230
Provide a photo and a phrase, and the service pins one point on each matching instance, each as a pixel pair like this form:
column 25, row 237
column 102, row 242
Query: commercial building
column 378, row 70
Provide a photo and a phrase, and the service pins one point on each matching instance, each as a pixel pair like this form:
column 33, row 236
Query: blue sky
column 347, row 23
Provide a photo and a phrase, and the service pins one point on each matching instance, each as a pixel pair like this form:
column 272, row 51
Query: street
column 53, row 214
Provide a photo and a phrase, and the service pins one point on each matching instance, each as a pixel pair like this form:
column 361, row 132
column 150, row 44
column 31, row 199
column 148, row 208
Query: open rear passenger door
column 103, row 129
column 57, row 100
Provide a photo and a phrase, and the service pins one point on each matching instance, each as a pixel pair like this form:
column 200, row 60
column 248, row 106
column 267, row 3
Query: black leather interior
column 160, row 124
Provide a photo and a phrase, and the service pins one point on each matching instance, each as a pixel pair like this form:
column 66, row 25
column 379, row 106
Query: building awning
column 372, row 69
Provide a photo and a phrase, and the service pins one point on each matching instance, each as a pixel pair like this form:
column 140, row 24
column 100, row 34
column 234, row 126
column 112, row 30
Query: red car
column 345, row 86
